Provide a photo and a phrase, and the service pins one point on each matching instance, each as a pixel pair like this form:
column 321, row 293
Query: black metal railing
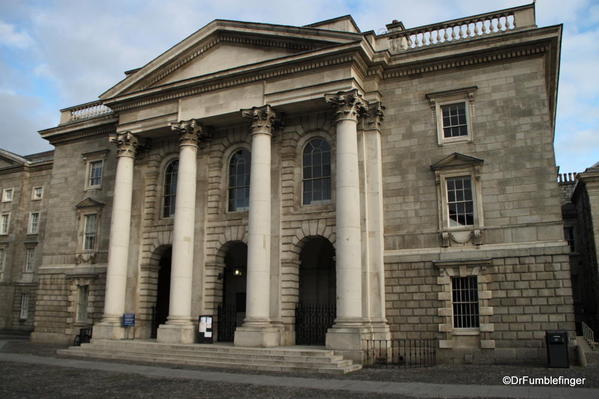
column 312, row 322
column 409, row 353
column 228, row 320
column 84, row 336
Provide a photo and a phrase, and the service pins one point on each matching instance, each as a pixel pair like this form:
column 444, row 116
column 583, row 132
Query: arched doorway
column 316, row 309
column 163, row 289
column 232, row 310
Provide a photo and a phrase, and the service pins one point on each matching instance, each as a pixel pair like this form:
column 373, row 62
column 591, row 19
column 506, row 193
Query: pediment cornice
column 456, row 160
column 220, row 31
column 323, row 58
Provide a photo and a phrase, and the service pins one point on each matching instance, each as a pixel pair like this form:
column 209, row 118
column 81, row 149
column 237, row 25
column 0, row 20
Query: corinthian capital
column 262, row 118
column 126, row 144
column 348, row 104
column 189, row 131
column 374, row 116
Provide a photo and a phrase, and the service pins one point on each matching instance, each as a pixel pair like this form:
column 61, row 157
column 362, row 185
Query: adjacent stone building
column 24, row 185
column 397, row 185
column 580, row 211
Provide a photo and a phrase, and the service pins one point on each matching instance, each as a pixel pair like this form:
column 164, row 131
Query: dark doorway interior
column 316, row 309
column 160, row 311
column 232, row 310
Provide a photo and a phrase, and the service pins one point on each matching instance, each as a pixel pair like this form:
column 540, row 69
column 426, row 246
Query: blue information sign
column 129, row 320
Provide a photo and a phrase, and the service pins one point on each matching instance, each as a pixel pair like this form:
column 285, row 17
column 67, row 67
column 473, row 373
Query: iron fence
column 409, row 353
column 312, row 322
column 228, row 320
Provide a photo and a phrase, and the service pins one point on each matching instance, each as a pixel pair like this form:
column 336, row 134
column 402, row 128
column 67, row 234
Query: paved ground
column 28, row 370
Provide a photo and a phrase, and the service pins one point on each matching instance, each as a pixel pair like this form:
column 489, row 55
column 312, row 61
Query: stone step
column 341, row 367
column 167, row 348
column 206, row 353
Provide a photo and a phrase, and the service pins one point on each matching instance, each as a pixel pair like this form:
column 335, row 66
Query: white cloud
column 82, row 48
column 10, row 37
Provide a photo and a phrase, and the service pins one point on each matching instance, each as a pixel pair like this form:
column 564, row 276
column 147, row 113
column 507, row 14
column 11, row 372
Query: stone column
column 349, row 329
column 373, row 175
column 118, row 247
column 179, row 327
column 257, row 329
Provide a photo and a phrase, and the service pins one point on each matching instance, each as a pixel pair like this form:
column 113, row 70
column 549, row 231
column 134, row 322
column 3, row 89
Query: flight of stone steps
column 281, row 359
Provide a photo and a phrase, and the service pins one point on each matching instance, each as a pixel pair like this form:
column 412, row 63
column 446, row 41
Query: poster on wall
column 205, row 329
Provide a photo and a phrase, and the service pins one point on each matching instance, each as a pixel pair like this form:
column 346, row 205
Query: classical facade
column 397, row 185
column 24, row 185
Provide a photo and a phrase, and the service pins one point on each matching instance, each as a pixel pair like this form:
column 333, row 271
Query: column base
column 258, row 337
column 108, row 330
column 348, row 340
column 380, row 330
column 176, row 334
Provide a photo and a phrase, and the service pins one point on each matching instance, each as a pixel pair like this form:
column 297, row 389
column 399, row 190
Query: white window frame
column 4, row 228
column 439, row 99
column 88, row 170
column 8, row 194
column 445, row 223
column 84, row 229
column 29, row 260
column 35, row 197
column 24, row 312
column 33, row 227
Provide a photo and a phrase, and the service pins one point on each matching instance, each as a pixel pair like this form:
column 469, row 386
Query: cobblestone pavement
column 15, row 380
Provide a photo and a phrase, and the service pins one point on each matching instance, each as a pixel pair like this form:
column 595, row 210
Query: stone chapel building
column 396, row 185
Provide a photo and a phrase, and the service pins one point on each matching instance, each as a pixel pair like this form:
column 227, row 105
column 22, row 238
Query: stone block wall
column 522, row 294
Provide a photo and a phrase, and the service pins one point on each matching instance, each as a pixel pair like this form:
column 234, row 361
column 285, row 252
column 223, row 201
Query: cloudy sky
column 59, row 53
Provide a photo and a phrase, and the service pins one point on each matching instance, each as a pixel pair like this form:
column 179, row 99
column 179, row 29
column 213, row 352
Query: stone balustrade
column 461, row 29
column 566, row 178
column 83, row 111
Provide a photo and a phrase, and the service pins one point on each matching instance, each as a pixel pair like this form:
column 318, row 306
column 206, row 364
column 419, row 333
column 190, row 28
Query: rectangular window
column 4, row 223
column 460, row 204
column 95, row 174
column 83, row 301
column 7, row 195
column 34, row 221
column 464, row 292
column 454, row 120
column 29, row 259
column 24, row 314
column 90, row 232
column 2, row 262
column 37, row 193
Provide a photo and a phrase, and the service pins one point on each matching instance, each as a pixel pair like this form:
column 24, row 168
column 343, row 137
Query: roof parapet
column 461, row 29
column 83, row 111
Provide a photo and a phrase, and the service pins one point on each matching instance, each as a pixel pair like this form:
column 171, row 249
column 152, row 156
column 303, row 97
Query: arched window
column 317, row 171
column 239, row 180
column 170, row 188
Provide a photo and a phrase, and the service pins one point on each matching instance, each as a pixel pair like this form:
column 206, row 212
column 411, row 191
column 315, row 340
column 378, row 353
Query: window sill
column 466, row 331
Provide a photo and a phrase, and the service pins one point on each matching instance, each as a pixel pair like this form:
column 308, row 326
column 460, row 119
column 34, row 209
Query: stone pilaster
column 349, row 329
column 118, row 247
column 179, row 327
column 373, row 187
column 257, row 329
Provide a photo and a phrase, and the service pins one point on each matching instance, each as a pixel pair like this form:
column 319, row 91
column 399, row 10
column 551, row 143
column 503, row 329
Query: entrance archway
column 316, row 308
column 163, row 289
column 232, row 310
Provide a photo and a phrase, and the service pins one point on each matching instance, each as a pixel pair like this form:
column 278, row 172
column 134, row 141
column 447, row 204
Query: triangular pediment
column 8, row 159
column 456, row 160
column 89, row 203
column 223, row 46
column 222, row 57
